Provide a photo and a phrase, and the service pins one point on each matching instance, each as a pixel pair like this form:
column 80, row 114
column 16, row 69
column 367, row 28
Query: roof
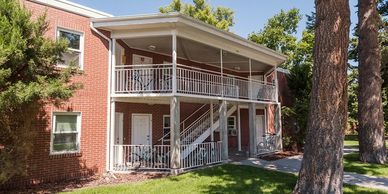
column 73, row 8
column 108, row 23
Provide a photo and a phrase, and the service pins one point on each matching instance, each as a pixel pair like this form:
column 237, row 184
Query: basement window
column 66, row 129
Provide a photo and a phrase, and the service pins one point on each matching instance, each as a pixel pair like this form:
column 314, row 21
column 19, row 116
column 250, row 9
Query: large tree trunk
column 370, row 110
column 322, row 169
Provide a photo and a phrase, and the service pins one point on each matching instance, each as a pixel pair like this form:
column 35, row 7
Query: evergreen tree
column 29, row 80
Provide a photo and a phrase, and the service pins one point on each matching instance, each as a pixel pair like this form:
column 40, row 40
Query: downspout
column 109, row 94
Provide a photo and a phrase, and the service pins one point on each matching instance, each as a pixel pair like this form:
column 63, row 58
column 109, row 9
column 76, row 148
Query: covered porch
column 143, row 134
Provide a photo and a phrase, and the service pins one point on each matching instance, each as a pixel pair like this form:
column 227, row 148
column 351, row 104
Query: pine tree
column 29, row 80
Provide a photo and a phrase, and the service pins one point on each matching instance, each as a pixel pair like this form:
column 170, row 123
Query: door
column 141, row 129
column 119, row 140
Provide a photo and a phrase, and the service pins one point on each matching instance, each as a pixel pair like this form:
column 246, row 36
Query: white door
column 141, row 129
column 260, row 127
column 119, row 123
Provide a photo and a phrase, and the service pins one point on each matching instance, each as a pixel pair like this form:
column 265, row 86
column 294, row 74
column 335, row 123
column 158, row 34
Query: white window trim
column 53, row 121
column 235, row 124
column 164, row 116
column 81, row 46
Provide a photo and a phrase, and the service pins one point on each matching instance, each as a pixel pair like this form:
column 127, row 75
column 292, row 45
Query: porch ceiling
column 194, row 32
column 195, row 51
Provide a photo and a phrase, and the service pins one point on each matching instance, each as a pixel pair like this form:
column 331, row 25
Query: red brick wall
column 91, row 101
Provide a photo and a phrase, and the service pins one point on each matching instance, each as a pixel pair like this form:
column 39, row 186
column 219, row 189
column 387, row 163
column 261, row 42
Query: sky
column 250, row 15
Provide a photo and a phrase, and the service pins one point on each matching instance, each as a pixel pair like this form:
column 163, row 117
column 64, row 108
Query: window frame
column 234, row 126
column 81, row 45
column 53, row 125
column 164, row 117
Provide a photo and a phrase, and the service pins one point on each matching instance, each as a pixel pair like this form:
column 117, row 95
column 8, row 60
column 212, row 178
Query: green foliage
column 28, row 81
column 353, row 100
column 221, row 17
column 280, row 33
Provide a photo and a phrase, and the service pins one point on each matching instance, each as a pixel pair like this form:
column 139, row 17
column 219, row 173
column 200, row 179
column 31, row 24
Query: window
column 166, row 127
column 232, row 131
column 66, row 132
column 74, row 54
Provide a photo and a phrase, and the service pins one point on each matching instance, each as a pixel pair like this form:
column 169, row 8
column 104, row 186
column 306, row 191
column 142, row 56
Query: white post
column 175, row 141
column 174, row 62
column 211, row 122
column 114, row 65
column 279, row 143
column 276, row 85
column 222, row 72
column 252, row 130
column 223, row 130
column 112, row 136
column 250, row 80
column 238, row 129
column 112, row 107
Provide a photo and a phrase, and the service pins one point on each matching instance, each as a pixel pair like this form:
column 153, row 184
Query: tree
column 221, row 17
column 28, row 81
column 279, row 34
column 322, row 168
column 370, row 111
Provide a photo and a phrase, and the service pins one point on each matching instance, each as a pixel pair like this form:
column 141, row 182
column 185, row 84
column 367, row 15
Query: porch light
column 152, row 47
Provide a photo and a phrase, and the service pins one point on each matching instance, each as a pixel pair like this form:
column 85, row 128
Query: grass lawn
column 220, row 179
column 351, row 141
column 352, row 164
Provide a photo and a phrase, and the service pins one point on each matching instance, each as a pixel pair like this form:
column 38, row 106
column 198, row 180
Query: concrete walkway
column 292, row 165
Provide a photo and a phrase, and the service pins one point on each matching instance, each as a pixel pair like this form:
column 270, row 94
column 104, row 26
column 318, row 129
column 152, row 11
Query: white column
column 222, row 72
column 238, row 129
column 276, row 85
column 112, row 107
column 252, row 130
column 223, row 130
column 174, row 62
column 250, row 80
column 111, row 134
column 114, row 65
column 175, row 141
column 278, row 117
column 211, row 122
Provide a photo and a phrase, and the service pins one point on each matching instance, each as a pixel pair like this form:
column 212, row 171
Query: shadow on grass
column 353, row 164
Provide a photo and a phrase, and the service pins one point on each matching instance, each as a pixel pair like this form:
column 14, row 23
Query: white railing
column 157, row 78
column 268, row 143
column 184, row 125
column 128, row 157
column 199, row 126
column 200, row 154
column 143, row 78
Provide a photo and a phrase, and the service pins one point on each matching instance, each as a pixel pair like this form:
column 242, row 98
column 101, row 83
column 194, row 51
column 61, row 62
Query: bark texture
column 322, row 169
column 370, row 110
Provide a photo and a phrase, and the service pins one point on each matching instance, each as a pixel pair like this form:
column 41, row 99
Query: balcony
column 158, row 79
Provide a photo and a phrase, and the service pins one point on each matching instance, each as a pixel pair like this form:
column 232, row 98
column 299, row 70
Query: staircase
column 201, row 129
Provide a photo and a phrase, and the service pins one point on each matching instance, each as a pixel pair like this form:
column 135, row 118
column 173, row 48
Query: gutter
column 109, row 96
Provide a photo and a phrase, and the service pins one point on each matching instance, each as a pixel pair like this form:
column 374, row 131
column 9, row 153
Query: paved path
column 292, row 165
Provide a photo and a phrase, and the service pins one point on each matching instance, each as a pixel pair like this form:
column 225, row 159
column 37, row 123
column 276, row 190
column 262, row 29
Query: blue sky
column 250, row 15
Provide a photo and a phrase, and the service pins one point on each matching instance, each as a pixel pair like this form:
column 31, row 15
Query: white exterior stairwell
column 201, row 129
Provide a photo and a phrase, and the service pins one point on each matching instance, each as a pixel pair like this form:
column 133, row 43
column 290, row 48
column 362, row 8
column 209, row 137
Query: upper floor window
column 74, row 54
column 65, row 136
